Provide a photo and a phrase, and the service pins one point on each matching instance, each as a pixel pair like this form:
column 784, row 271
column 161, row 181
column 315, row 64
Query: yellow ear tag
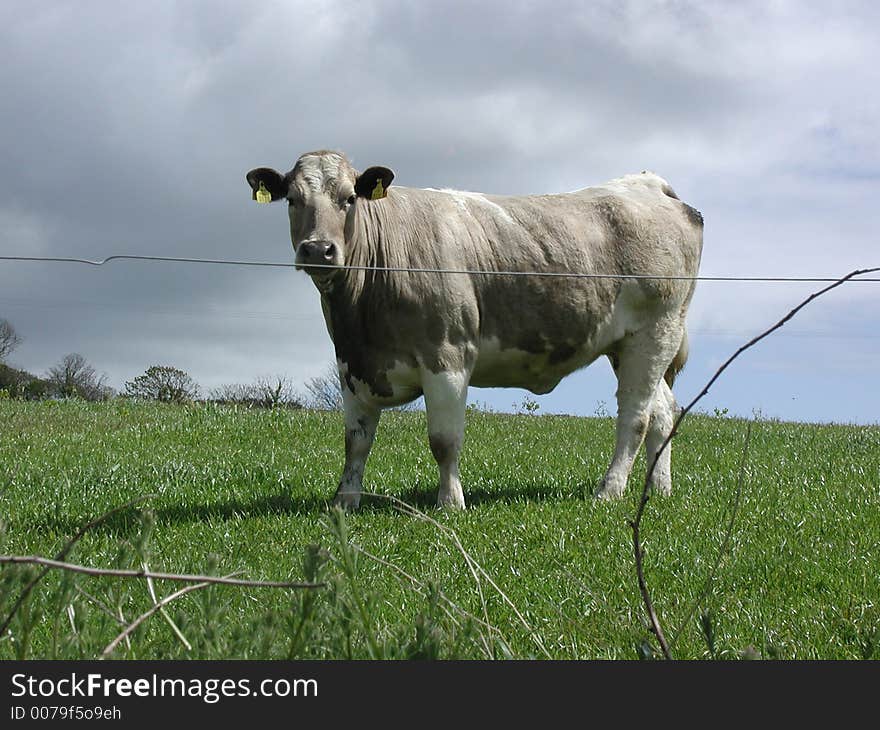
column 263, row 195
column 378, row 192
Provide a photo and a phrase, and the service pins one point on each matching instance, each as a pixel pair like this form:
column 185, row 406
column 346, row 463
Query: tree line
column 75, row 377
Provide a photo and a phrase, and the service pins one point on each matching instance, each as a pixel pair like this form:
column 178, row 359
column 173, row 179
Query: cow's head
column 322, row 191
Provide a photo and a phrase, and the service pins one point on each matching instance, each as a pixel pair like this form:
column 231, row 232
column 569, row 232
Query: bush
column 22, row 384
column 265, row 392
column 163, row 383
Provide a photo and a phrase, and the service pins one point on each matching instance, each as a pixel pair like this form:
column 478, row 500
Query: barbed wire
column 412, row 270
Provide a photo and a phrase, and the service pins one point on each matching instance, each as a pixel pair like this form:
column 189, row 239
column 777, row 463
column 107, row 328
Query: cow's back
column 515, row 330
column 536, row 329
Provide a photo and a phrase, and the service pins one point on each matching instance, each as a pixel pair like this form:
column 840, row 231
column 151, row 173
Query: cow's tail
column 678, row 361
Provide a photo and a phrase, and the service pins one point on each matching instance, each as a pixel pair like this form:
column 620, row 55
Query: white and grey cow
column 399, row 335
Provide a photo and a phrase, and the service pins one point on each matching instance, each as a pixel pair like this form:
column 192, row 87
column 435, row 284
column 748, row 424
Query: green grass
column 247, row 490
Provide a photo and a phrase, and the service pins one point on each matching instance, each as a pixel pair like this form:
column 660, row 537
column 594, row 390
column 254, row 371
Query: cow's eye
column 351, row 199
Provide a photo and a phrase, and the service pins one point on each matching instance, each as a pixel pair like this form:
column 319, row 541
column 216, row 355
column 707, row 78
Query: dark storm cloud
column 128, row 129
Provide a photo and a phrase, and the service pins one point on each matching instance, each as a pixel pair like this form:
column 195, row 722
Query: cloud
column 129, row 130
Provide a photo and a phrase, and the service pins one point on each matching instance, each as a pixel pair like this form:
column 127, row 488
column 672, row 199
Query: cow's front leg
column 361, row 421
column 445, row 401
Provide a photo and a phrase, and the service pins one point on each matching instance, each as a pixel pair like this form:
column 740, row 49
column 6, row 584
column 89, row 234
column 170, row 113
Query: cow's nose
column 317, row 252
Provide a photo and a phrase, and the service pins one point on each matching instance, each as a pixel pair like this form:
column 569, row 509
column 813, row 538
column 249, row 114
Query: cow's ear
column 267, row 184
column 373, row 183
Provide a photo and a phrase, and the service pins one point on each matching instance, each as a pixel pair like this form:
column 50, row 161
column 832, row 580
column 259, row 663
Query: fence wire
column 471, row 272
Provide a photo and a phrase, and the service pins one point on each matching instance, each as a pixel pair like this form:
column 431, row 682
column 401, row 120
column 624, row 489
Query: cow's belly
column 541, row 371
column 498, row 367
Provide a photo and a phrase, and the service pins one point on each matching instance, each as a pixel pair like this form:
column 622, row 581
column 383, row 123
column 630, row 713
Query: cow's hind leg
column 361, row 421
column 662, row 418
column 641, row 359
column 445, row 401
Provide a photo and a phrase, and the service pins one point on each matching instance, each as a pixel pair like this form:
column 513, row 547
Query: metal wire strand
column 403, row 269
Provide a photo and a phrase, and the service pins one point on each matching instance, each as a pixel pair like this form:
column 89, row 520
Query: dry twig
column 725, row 542
column 635, row 523
column 180, row 577
column 174, row 627
column 473, row 566
column 100, row 604
column 149, row 612
column 63, row 554
column 449, row 604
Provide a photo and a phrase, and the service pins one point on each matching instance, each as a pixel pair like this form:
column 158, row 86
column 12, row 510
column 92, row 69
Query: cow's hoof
column 451, row 501
column 610, row 488
column 347, row 500
column 662, row 486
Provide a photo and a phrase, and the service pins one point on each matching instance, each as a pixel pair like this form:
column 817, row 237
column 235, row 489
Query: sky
column 128, row 129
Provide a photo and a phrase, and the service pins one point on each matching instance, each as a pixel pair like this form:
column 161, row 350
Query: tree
column 232, row 393
column 9, row 338
column 265, row 392
column 272, row 391
column 74, row 377
column 325, row 391
column 163, row 383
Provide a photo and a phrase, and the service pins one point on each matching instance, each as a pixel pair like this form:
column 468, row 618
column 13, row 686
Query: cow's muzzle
column 309, row 253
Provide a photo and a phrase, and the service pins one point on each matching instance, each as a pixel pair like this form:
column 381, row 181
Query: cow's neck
column 344, row 306
column 358, row 321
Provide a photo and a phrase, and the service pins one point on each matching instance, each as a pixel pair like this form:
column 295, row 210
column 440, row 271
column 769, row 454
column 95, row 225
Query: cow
column 403, row 326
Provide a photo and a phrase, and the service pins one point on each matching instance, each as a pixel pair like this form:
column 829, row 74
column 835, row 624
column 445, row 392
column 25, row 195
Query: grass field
column 247, row 490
